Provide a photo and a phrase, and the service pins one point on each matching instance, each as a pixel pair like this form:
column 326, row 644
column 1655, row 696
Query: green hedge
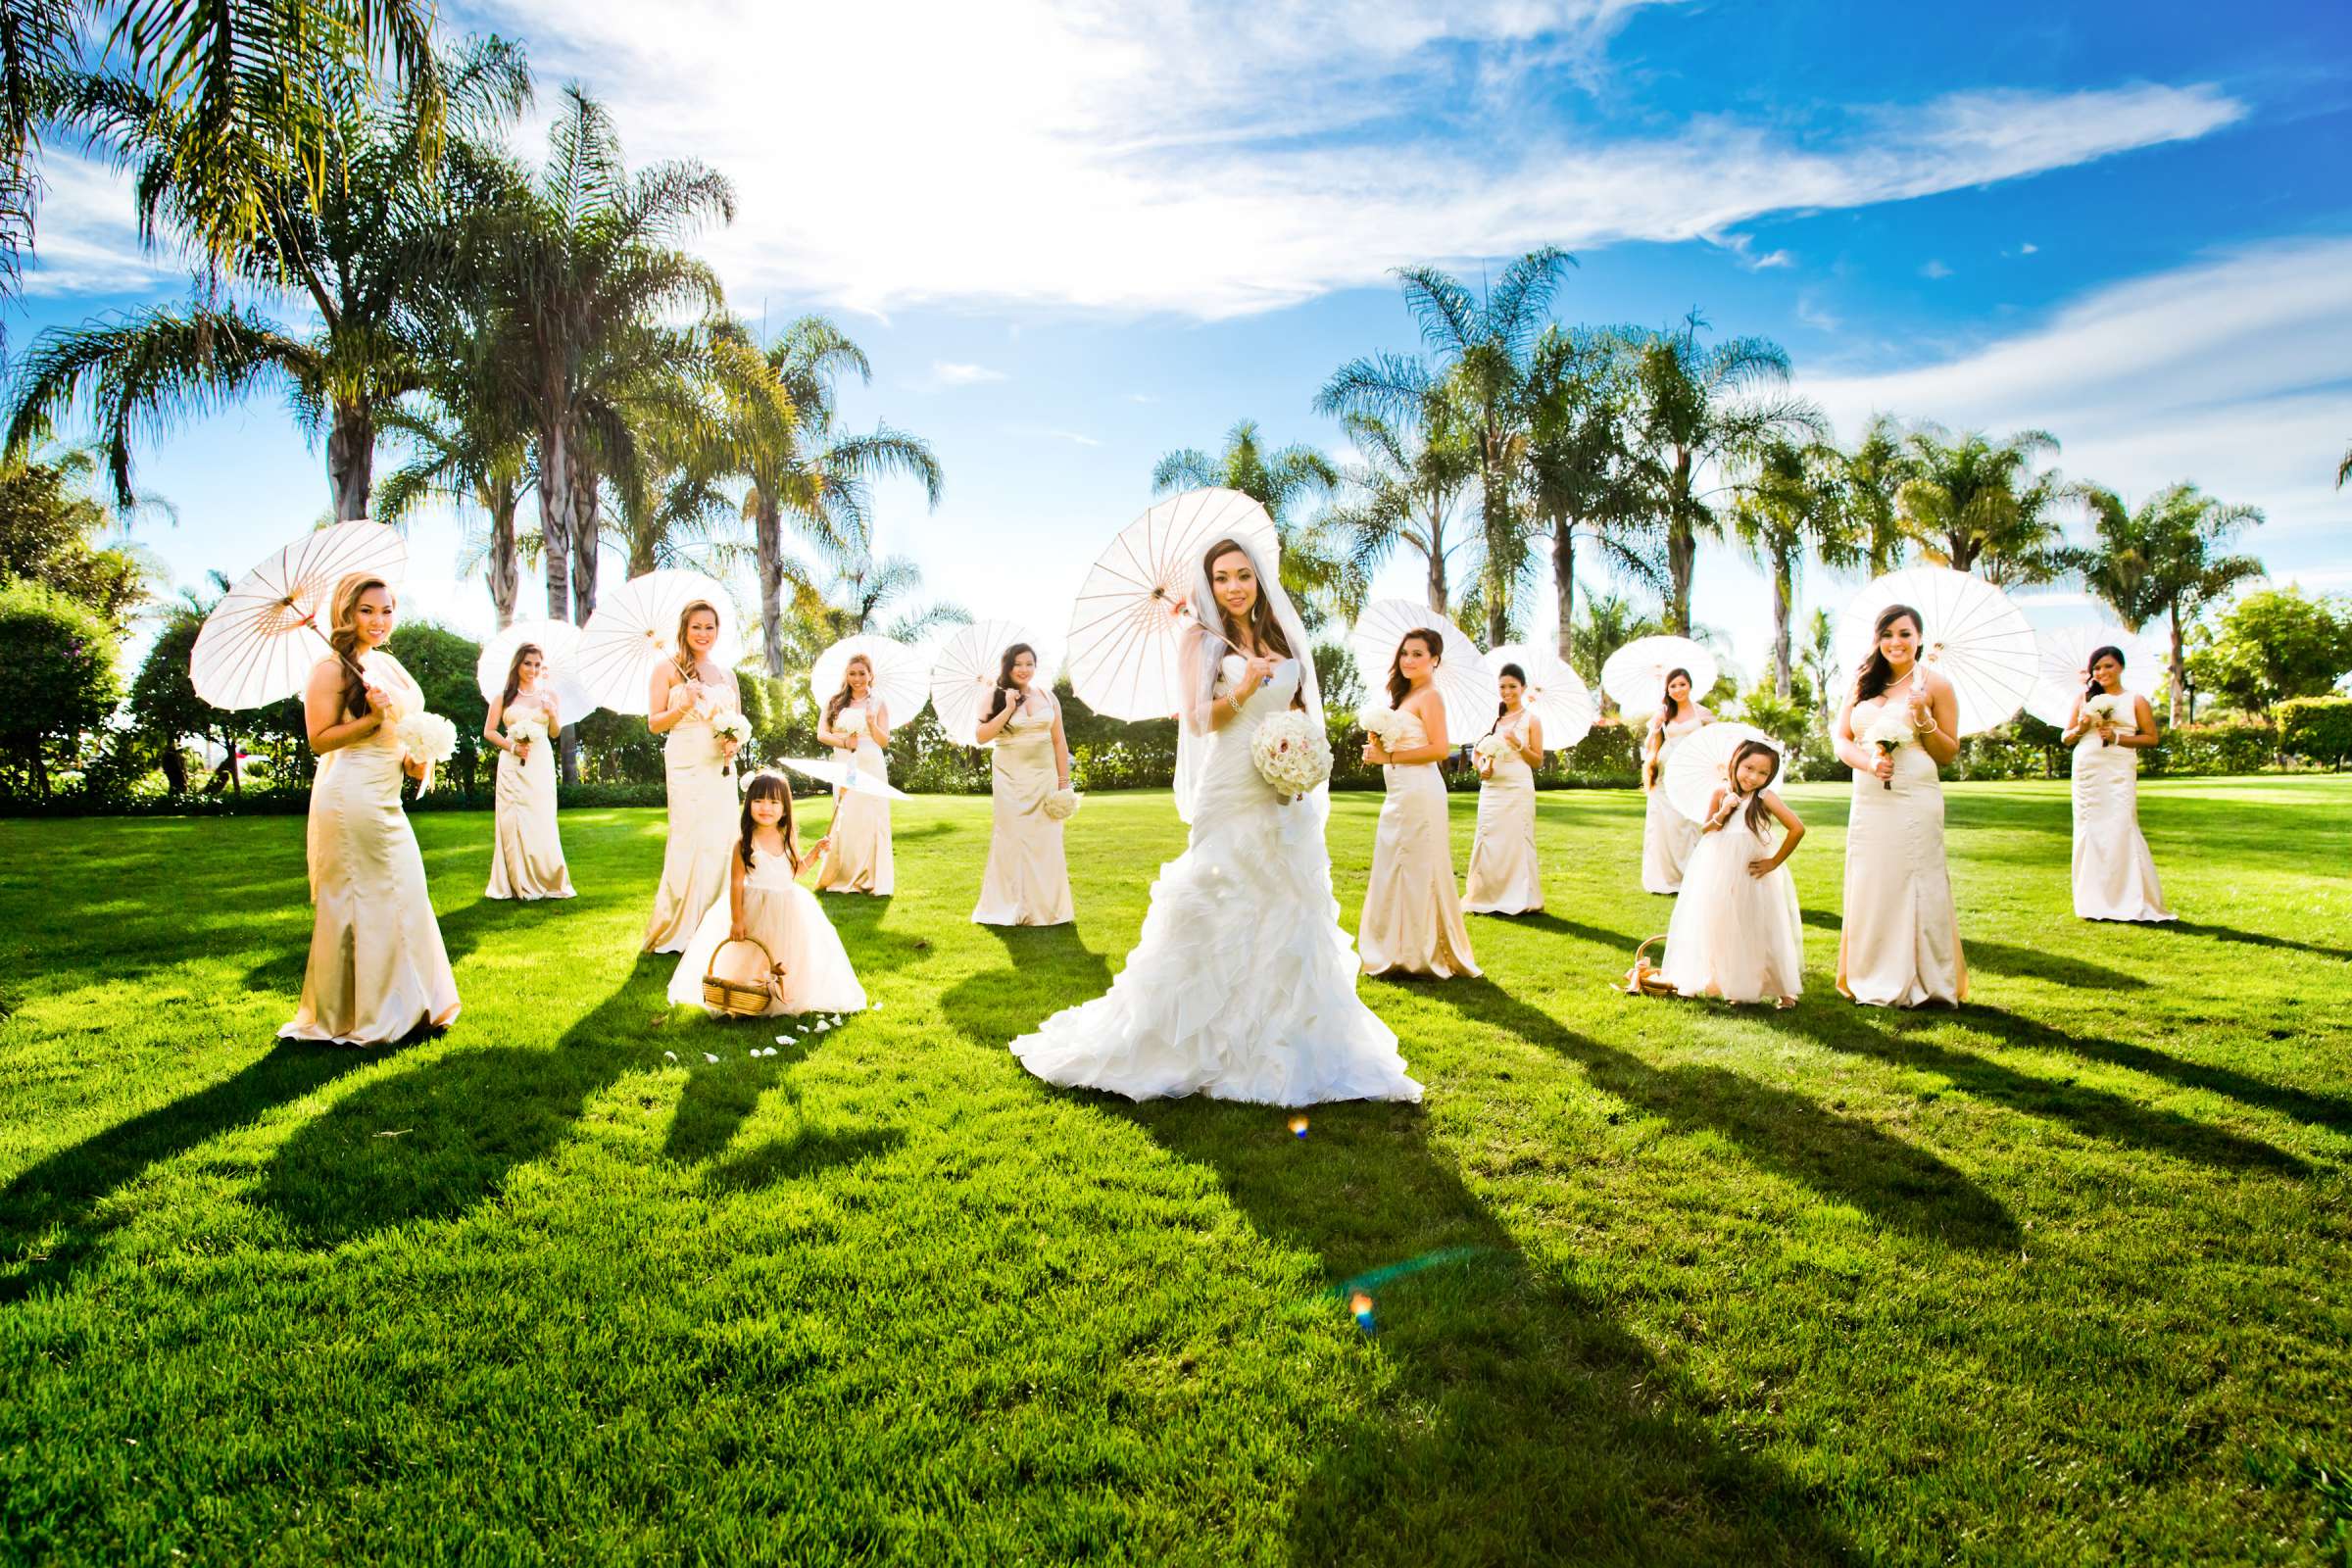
column 2317, row 728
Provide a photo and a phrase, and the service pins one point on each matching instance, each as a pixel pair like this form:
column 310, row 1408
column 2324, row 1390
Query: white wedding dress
column 1243, row 985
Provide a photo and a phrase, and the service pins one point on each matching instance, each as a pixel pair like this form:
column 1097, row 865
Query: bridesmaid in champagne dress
column 1412, row 919
column 688, row 693
column 1900, row 943
column 2115, row 875
column 1028, row 879
column 856, row 725
column 1505, row 877
column 526, row 853
column 378, row 971
column 1668, row 836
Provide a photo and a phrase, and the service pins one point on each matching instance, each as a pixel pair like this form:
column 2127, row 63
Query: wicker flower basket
column 741, row 998
column 1643, row 979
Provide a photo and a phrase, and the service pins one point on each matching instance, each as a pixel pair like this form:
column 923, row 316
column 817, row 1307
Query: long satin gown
column 1412, row 919
column 377, row 968
column 1735, row 936
column 1028, row 879
column 705, row 819
column 1667, row 836
column 1243, row 985
column 1899, row 946
column 1505, row 875
column 858, row 860
column 526, row 853
column 786, row 919
column 2115, row 875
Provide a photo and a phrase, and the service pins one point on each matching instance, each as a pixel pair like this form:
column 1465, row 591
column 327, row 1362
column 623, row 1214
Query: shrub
column 2317, row 727
column 2246, row 746
column 56, row 682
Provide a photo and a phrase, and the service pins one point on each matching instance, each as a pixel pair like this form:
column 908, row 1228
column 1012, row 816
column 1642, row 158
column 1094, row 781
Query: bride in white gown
column 1243, row 985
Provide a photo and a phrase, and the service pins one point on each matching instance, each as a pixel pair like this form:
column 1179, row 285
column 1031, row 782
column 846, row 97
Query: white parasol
column 1636, row 674
column 1465, row 683
column 635, row 629
column 899, row 673
column 559, row 645
column 1556, row 694
column 826, row 770
column 1126, row 654
column 2065, row 666
column 1701, row 764
column 963, row 671
column 1973, row 635
column 260, row 640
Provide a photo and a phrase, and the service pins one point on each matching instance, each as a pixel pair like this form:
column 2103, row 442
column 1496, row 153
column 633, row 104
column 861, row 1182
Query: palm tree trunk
column 351, row 460
column 2178, row 692
column 500, row 501
column 1682, row 546
column 1563, row 584
column 555, row 518
column 1782, row 594
column 588, row 521
column 768, row 529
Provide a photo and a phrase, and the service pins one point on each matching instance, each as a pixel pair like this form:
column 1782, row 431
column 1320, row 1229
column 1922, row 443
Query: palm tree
column 1482, row 347
column 578, row 270
column 2343, row 470
column 1404, row 493
column 1584, row 476
column 349, row 246
column 1610, row 622
column 1703, row 409
column 865, row 593
column 2164, row 559
column 1973, row 503
column 1875, row 470
column 1819, row 657
column 1313, row 572
column 1794, row 506
column 803, row 466
column 252, row 88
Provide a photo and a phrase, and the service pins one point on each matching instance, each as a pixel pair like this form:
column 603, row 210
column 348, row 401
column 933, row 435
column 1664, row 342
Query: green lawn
column 2065, row 1276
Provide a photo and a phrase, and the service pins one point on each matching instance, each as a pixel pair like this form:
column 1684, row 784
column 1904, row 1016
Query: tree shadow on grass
column 2026, row 963
column 1842, row 1158
column 1050, row 968
column 2256, row 939
column 1517, row 1420
column 2093, row 1112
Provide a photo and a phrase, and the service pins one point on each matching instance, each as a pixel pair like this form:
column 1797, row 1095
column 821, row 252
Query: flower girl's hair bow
column 743, row 781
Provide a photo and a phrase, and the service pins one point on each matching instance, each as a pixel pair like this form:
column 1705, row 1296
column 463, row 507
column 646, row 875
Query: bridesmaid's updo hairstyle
column 1666, row 698
column 685, row 661
column 997, row 698
column 1757, row 814
column 1507, row 672
column 343, row 636
column 1877, row 674
column 2090, row 668
column 523, row 651
column 841, row 698
column 1398, row 686
column 1264, row 630
column 767, row 785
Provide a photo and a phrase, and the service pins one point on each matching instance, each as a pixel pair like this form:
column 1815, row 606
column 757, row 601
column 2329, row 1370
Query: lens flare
column 1360, row 1305
column 1298, row 1126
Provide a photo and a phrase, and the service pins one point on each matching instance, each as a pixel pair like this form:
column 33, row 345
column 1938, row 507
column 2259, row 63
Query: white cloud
column 948, row 372
column 1934, row 270
column 1215, row 158
column 88, row 238
column 2028, row 248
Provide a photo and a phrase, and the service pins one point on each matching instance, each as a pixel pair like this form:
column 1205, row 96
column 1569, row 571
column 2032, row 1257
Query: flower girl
column 1736, row 932
column 764, row 904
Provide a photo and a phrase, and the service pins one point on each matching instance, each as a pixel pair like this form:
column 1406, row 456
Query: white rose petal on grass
column 670, row 1055
column 707, row 1057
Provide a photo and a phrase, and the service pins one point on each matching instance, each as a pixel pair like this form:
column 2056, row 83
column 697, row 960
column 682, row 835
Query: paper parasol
column 1636, row 674
column 1556, row 693
column 2065, row 666
column 963, row 671
column 899, row 673
column 636, row 628
column 1974, row 636
column 826, row 770
column 1701, row 764
column 559, row 645
column 260, row 640
column 1127, row 628
column 1464, row 682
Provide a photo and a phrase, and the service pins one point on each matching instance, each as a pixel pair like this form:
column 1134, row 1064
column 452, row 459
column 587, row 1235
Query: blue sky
column 1072, row 239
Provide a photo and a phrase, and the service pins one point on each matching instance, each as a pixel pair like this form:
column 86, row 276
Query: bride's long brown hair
column 343, row 636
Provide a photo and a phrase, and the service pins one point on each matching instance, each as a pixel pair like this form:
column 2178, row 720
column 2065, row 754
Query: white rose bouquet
column 1382, row 722
column 1061, row 804
column 1489, row 751
column 2103, row 710
column 427, row 738
column 1292, row 752
column 1890, row 732
column 526, row 731
column 732, row 726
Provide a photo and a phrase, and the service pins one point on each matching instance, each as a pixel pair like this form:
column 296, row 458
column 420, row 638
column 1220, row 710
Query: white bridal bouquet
column 732, row 726
column 2103, row 710
column 526, row 731
column 1888, row 732
column 1292, row 751
column 1380, row 722
column 1489, row 751
column 427, row 738
column 1061, row 804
